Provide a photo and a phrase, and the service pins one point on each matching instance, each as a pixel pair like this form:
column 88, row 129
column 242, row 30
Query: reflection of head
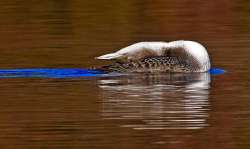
column 158, row 101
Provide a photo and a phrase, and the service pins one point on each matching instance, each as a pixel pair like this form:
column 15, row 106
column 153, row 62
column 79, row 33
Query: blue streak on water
column 216, row 71
column 50, row 73
column 65, row 73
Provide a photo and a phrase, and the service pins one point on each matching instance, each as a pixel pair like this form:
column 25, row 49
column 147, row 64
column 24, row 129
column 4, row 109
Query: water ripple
column 157, row 101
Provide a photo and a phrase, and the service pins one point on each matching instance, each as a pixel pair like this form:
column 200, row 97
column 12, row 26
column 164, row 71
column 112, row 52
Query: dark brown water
column 140, row 111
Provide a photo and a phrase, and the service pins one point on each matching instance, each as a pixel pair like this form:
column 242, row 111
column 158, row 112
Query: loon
column 177, row 56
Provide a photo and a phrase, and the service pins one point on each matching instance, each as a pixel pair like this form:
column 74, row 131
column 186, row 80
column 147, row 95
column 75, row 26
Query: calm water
column 138, row 111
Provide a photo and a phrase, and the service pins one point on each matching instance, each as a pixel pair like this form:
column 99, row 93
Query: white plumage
column 191, row 53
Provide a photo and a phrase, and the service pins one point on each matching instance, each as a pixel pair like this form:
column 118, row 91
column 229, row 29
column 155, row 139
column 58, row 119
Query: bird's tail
column 109, row 56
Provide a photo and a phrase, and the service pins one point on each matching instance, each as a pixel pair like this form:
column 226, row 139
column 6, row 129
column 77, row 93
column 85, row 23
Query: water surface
column 138, row 111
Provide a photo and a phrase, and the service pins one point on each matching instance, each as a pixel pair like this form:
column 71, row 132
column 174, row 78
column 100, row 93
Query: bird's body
column 176, row 56
column 150, row 64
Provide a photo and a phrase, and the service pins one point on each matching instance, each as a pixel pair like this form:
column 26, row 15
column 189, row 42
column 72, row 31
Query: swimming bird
column 176, row 56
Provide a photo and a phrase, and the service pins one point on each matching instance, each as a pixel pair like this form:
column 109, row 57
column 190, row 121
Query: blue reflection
column 65, row 73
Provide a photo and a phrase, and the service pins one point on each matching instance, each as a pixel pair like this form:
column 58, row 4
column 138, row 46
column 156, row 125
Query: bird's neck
column 174, row 44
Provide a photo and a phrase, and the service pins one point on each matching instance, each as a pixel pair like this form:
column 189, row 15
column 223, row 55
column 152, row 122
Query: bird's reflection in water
column 157, row 101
